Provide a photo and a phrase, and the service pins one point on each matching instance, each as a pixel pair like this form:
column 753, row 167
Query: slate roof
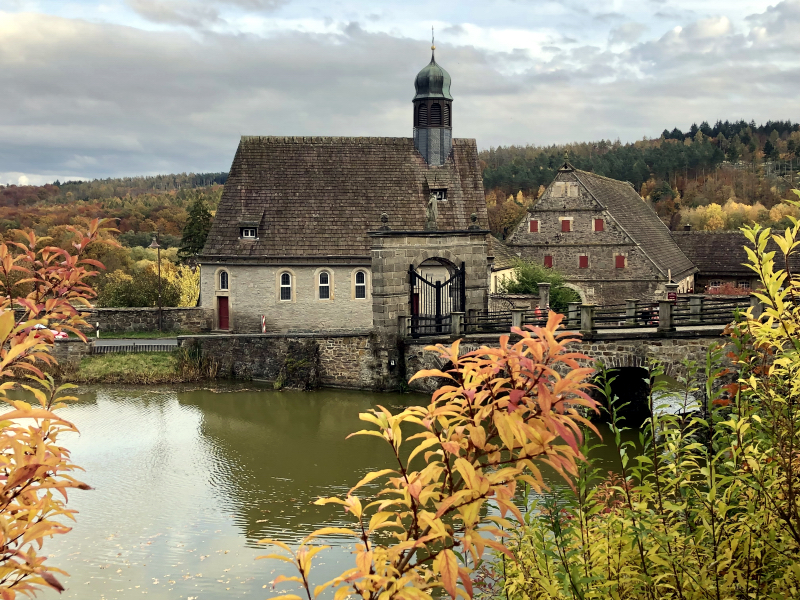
column 722, row 252
column 504, row 257
column 639, row 220
column 319, row 196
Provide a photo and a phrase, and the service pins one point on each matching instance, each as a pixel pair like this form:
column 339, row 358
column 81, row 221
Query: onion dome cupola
column 433, row 133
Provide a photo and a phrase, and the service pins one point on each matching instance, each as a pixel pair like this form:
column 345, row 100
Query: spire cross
column 433, row 45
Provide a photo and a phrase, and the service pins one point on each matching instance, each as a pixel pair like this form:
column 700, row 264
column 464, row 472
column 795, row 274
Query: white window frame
column 356, row 285
column 329, row 285
column 227, row 287
column 441, row 194
column 249, row 233
column 571, row 224
column 282, row 286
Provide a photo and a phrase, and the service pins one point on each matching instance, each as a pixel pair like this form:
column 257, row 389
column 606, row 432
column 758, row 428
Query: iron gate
column 431, row 302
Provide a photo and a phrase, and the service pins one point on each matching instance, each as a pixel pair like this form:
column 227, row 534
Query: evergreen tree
column 195, row 232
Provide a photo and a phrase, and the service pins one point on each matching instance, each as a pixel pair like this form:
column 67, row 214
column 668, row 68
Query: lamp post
column 155, row 245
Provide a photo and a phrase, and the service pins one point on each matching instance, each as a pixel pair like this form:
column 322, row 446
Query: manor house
column 351, row 233
column 604, row 238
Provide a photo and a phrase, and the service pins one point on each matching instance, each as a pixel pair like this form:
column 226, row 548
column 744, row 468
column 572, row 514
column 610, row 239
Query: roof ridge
column 593, row 174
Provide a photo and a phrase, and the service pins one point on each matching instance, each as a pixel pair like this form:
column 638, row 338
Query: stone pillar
column 587, row 318
column 573, row 314
column 516, row 316
column 404, row 325
column 630, row 311
column 544, row 296
column 757, row 306
column 695, row 309
column 665, row 315
column 457, row 321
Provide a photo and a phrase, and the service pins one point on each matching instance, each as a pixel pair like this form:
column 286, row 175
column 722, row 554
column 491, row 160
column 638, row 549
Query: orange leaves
column 447, row 565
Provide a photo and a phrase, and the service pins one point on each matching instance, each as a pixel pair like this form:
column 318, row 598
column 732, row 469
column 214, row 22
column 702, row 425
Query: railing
column 133, row 348
column 664, row 315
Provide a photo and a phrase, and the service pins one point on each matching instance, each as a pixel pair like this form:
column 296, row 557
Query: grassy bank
column 141, row 368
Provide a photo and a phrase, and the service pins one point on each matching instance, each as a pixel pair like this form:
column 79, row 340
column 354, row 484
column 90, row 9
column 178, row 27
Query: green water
column 186, row 482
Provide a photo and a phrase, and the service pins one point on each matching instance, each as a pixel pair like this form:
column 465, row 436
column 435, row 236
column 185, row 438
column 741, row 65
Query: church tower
column 433, row 127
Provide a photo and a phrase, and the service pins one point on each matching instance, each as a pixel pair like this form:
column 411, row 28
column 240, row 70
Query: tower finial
column 433, row 45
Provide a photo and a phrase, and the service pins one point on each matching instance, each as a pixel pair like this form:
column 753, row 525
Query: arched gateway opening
column 630, row 386
column 436, row 290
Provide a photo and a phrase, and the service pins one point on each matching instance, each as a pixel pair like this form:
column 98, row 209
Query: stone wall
column 254, row 290
column 69, row 352
column 304, row 360
column 194, row 320
column 393, row 252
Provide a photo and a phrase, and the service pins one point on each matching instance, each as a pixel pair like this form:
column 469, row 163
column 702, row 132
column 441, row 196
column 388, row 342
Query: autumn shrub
column 501, row 415
column 35, row 471
column 707, row 504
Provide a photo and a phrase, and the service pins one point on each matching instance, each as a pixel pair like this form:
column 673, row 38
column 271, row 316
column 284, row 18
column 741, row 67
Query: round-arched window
column 223, row 280
column 324, row 285
column 361, row 285
column 286, row 286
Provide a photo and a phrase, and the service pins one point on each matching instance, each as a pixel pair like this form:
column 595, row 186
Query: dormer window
column 441, row 194
column 249, row 233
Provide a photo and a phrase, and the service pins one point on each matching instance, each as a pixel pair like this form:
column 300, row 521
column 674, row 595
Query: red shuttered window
column 548, row 261
column 598, row 224
column 583, row 262
column 533, row 226
column 566, row 225
column 619, row 261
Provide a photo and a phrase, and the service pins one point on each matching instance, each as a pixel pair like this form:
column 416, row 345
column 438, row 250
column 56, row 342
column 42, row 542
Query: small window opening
column 286, row 286
column 249, row 232
column 441, row 195
column 743, row 285
column 361, row 285
column 447, row 115
column 533, row 226
column 599, row 225
column 566, row 225
column 619, row 261
column 583, row 262
column 223, row 280
column 324, row 286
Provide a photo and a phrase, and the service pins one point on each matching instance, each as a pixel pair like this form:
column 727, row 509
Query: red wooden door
column 222, row 312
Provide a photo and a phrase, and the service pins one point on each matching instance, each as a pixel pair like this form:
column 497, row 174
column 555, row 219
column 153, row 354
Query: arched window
column 423, row 115
column 223, row 280
column 447, row 115
column 436, row 115
column 286, row 286
column 361, row 285
column 324, row 286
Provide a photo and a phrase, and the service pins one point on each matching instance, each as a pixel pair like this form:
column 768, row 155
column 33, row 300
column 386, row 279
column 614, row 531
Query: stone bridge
column 616, row 350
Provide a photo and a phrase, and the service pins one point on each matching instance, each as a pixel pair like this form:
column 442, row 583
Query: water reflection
column 187, row 481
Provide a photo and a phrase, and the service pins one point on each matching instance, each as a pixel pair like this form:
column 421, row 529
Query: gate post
column 544, row 296
column 630, row 312
column 516, row 316
column 573, row 314
column 457, row 323
column 757, row 306
column 695, row 309
column 665, row 315
column 587, row 319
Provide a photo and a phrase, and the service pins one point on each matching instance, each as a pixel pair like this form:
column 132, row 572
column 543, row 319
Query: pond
column 186, row 483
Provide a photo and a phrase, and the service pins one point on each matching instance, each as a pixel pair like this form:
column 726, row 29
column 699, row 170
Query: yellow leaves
column 372, row 476
column 446, row 564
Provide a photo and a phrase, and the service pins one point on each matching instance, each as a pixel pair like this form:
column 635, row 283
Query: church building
column 326, row 234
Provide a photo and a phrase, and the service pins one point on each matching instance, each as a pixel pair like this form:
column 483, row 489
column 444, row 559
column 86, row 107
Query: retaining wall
column 194, row 320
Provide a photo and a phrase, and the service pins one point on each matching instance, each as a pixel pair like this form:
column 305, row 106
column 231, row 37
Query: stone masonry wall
column 601, row 282
column 255, row 290
column 348, row 361
column 194, row 320
column 393, row 252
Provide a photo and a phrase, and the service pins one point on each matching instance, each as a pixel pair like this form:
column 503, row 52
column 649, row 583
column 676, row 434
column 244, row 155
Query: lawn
column 141, row 368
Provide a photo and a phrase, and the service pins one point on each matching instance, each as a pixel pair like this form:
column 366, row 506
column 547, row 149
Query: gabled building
column 607, row 242
column 329, row 233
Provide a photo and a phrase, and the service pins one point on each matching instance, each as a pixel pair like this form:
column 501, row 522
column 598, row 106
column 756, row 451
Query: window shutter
column 598, row 224
column 534, row 226
column 423, row 115
column 620, row 261
column 436, row 115
column 583, row 262
column 548, row 261
column 565, row 225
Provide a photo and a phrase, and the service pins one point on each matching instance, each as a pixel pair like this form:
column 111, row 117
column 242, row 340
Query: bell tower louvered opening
column 436, row 115
column 422, row 116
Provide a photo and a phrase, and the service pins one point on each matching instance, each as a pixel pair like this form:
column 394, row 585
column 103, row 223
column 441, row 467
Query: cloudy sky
column 126, row 87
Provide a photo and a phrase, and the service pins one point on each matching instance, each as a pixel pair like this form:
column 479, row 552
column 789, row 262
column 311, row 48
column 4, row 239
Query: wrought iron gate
column 432, row 302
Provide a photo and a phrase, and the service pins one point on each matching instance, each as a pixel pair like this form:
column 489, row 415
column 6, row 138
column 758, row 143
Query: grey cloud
column 627, row 33
column 153, row 102
column 195, row 13
column 454, row 30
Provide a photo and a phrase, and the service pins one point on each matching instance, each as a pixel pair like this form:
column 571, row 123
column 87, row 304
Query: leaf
column 372, row 476
column 447, row 565
column 330, row 531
